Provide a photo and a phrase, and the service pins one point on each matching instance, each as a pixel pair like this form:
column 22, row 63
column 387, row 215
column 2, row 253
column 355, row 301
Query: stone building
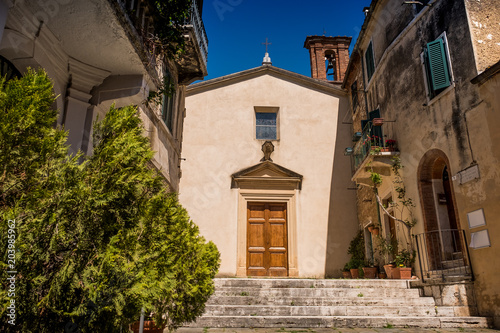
column 265, row 178
column 96, row 52
column 423, row 87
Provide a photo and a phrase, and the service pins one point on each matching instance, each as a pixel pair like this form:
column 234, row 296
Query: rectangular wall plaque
column 476, row 218
column 467, row 175
column 480, row 239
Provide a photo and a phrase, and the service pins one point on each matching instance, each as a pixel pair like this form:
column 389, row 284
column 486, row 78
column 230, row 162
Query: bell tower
column 329, row 57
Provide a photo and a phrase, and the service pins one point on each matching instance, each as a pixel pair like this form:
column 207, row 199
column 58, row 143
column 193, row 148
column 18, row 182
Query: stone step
column 453, row 263
column 456, row 271
column 339, row 321
column 247, row 303
column 326, row 311
column 311, row 283
column 318, row 301
column 317, row 292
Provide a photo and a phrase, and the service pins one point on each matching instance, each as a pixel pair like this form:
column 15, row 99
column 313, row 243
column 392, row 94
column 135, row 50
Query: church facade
column 265, row 177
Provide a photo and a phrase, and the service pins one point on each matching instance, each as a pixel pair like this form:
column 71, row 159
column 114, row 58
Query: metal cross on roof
column 266, row 44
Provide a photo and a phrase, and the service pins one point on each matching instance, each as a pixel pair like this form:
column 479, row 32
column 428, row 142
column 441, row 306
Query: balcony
column 137, row 15
column 192, row 65
column 372, row 152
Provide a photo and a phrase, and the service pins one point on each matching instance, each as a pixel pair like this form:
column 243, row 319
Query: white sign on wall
column 476, row 218
column 480, row 239
column 467, row 175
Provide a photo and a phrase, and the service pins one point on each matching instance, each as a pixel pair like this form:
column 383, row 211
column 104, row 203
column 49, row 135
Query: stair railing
column 443, row 255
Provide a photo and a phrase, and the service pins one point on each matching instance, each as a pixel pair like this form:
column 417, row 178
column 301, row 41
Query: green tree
column 98, row 237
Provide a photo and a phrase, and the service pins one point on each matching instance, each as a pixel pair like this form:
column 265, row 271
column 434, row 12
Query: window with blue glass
column 266, row 125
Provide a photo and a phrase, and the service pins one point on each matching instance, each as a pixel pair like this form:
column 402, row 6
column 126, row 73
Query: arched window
column 330, row 65
column 7, row 69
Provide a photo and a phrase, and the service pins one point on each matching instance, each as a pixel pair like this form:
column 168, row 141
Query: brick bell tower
column 329, row 57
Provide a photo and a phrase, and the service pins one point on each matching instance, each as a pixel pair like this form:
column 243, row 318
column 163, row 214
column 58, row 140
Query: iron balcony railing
column 365, row 144
column 199, row 30
column 443, row 255
column 138, row 12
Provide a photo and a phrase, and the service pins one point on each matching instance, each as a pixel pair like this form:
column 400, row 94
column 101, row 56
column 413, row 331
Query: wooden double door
column 267, row 242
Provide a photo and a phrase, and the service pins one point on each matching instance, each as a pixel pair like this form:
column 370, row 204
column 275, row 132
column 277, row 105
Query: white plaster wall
column 219, row 140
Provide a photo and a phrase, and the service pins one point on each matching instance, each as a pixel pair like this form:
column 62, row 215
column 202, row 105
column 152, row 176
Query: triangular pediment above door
column 266, row 175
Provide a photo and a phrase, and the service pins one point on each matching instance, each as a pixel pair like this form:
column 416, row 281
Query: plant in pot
column 381, row 272
column 346, row 271
column 403, row 262
column 402, row 212
column 390, row 144
column 149, row 326
column 387, row 250
column 355, row 265
column 357, row 252
column 370, row 270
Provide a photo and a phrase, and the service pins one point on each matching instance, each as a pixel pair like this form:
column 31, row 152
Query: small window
column 437, row 67
column 369, row 62
column 168, row 101
column 354, row 95
column 266, row 125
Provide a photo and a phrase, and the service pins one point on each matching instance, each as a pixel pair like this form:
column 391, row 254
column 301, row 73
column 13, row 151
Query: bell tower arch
column 329, row 57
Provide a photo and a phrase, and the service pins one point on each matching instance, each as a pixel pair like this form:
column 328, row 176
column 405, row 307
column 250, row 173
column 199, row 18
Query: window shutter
column 370, row 63
column 438, row 65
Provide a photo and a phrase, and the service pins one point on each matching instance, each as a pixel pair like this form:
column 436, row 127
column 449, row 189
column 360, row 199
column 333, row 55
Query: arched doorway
column 443, row 237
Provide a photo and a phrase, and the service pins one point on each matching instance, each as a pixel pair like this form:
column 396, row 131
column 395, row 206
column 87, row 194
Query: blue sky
column 236, row 29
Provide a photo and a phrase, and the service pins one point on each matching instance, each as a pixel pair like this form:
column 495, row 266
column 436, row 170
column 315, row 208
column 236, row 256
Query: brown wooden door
column 267, row 248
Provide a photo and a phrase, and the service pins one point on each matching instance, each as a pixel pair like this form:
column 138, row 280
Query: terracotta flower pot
column 355, row 273
column 388, row 270
column 375, row 231
column 346, row 275
column 403, row 273
column 378, row 121
column 370, row 272
column 382, row 275
column 149, row 327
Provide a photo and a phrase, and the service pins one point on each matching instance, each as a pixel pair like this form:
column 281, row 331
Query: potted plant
column 390, row 145
column 355, row 264
column 403, row 262
column 374, row 229
column 370, row 271
column 149, row 327
column 357, row 252
column 346, row 271
column 382, row 274
column 386, row 249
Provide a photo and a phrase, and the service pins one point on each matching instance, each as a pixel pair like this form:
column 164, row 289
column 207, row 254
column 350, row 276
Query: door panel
column 267, row 248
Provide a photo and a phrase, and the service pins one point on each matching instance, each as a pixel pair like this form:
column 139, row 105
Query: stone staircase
column 452, row 269
column 312, row 303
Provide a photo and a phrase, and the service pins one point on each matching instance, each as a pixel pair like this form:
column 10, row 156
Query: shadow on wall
column 342, row 215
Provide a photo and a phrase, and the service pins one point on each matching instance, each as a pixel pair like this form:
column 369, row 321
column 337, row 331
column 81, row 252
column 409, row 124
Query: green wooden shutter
column 438, row 65
column 370, row 62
